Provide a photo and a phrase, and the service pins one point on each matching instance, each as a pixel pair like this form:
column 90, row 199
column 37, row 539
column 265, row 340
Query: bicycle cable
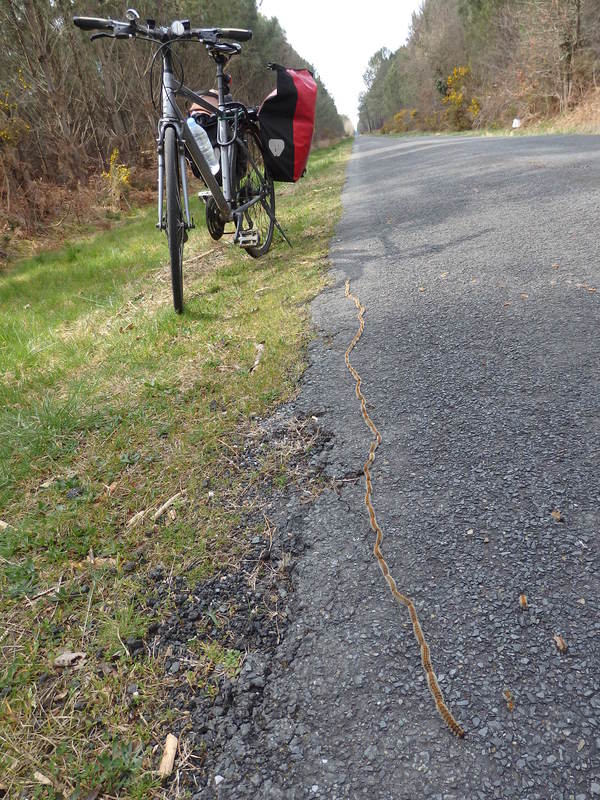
column 151, row 71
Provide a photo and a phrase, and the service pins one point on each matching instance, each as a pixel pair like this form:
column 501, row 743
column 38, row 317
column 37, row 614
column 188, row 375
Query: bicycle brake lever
column 109, row 36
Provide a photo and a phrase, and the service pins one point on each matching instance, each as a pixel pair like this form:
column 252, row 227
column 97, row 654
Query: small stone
column 133, row 644
column 314, row 788
column 174, row 668
column 550, row 760
column 156, row 573
column 370, row 752
column 218, row 779
column 595, row 788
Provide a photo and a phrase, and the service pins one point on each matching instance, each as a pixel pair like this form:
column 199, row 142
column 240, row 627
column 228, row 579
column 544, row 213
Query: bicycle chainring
column 214, row 222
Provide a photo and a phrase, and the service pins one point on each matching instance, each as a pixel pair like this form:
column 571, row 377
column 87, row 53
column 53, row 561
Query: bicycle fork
column 162, row 126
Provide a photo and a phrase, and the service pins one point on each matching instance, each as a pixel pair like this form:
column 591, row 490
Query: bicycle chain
column 432, row 682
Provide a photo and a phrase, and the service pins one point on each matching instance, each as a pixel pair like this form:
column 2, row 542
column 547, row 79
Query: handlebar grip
column 237, row 34
column 93, row 23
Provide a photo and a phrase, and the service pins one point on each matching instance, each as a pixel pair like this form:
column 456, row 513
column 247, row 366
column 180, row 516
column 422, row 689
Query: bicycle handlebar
column 237, row 34
column 160, row 34
column 93, row 23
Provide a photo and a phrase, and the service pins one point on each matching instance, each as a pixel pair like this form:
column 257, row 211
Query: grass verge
column 111, row 405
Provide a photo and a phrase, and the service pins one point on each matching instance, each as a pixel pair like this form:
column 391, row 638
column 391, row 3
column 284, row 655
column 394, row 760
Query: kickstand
column 280, row 229
column 277, row 225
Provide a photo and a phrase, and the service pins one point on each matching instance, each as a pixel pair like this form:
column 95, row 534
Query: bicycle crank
column 214, row 223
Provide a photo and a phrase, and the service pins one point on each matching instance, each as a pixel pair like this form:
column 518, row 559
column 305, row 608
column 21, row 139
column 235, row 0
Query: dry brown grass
column 43, row 214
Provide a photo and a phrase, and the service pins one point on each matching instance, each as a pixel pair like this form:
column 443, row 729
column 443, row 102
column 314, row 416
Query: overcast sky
column 339, row 37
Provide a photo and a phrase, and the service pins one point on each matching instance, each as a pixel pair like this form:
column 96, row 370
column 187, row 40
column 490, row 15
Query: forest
column 481, row 63
column 67, row 104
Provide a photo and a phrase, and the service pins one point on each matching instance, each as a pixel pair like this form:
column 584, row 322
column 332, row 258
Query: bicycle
column 246, row 193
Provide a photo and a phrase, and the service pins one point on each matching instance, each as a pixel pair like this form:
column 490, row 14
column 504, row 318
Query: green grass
column 110, row 404
column 545, row 127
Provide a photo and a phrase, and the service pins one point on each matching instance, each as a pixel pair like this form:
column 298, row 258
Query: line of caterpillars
column 434, row 688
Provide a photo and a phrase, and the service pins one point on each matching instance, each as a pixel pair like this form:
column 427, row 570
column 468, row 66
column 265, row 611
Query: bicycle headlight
column 177, row 28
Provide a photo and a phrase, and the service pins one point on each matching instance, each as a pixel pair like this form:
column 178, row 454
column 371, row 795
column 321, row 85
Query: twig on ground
column 270, row 530
column 233, row 450
column 198, row 257
column 168, row 758
column 158, row 514
column 122, row 644
column 87, row 613
column 137, row 518
column 54, row 589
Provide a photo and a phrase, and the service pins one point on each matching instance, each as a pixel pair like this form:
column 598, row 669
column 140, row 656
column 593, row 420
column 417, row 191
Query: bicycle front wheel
column 254, row 181
column 175, row 225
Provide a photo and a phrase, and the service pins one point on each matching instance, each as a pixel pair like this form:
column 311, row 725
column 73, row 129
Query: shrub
column 461, row 108
column 117, row 181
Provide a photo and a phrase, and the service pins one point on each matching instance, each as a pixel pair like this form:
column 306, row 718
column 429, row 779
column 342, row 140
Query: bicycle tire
column 255, row 179
column 174, row 224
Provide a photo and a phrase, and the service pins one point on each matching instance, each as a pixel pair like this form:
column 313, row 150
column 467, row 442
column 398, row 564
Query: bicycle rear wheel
column 175, row 226
column 254, row 181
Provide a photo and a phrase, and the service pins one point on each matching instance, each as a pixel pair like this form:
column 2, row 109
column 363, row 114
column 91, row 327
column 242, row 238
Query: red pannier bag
column 287, row 120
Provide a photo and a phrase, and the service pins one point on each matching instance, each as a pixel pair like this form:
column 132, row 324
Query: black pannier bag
column 287, row 120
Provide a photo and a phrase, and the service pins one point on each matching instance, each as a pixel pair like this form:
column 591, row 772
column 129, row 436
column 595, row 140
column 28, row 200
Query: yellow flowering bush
column 401, row 122
column 462, row 110
column 12, row 126
column 117, row 180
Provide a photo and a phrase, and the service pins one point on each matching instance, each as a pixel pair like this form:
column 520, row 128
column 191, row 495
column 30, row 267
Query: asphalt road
column 476, row 260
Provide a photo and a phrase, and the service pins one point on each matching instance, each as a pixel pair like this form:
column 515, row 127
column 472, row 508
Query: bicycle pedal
column 248, row 238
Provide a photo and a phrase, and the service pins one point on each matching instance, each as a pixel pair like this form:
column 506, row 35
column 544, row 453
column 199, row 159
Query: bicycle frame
column 173, row 117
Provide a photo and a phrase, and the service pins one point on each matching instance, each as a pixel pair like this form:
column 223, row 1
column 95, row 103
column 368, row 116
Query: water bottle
column 203, row 142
